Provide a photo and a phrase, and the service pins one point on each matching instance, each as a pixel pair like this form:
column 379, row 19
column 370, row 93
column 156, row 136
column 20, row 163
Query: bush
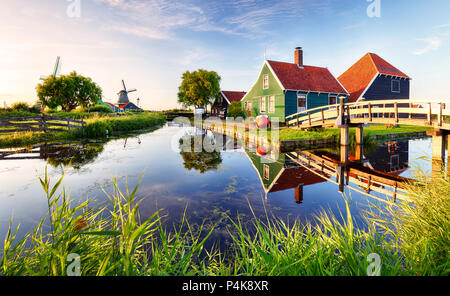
column 100, row 108
column 235, row 110
column 20, row 107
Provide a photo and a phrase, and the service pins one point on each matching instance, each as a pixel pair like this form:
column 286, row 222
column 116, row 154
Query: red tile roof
column 292, row 177
column 358, row 77
column 308, row 78
column 233, row 96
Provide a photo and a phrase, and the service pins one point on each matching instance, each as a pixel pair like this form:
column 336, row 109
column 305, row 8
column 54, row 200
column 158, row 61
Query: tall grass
column 110, row 240
column 412, row 239
column 96, row 126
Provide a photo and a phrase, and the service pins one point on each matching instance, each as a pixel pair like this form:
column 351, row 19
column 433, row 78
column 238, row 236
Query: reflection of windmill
column 56, row 70
column 123, row 95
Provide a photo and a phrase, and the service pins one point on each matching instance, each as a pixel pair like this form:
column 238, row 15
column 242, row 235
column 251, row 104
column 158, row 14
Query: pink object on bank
column 262, row 121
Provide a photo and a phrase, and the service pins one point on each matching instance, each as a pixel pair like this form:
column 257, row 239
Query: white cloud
column 433, row 43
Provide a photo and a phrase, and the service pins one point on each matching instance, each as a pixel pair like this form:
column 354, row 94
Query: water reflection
column 75, row 154
column 375, row 174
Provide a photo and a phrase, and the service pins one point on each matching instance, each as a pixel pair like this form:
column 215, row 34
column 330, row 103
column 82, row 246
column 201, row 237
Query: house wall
column 257, row 92
column 220, row 104
column 314, row 100
column 381, row 89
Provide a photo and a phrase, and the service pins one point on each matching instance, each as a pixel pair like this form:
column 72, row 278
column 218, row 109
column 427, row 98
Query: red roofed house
column 372, row 78
column 220, row 105
column 283, row 89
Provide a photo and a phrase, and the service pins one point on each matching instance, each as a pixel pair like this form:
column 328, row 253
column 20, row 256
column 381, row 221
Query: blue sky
column 151, row 43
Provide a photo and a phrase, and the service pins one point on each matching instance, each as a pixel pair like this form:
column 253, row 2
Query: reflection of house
column 220, row 106
column 372, row 78
column 391, row 158
column 282, row 174
column 282, row 89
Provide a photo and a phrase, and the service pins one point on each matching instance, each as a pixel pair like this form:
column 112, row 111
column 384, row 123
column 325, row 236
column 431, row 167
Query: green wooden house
column 283, row 89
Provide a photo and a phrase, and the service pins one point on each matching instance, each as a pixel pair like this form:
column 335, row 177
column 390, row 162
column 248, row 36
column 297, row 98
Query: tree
column 198, row 88
column 68, row 91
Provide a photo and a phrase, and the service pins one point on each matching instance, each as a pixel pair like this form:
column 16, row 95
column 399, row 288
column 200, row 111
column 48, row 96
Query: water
column 209, row 186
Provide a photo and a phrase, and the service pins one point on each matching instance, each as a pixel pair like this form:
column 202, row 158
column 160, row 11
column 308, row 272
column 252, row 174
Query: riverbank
column 418, row 241
column 97, row 126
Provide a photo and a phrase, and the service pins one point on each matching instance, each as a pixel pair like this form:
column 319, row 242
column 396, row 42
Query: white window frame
column 266, row 173
column 262, row 103
column 266, row 81
column 302, row 96
column 271, row 104
column 392, row 85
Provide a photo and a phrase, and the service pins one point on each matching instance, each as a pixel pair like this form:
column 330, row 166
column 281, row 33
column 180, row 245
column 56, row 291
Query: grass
column 112, row 240
column 95, row 127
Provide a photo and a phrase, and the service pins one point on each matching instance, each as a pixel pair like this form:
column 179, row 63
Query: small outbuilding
column 225, row 98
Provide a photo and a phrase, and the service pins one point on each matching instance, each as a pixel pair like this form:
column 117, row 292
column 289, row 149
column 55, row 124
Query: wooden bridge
column 352, row 174
column 345, row 115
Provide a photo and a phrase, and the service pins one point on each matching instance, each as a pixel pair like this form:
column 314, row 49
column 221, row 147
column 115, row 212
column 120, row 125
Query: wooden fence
column 39, row 123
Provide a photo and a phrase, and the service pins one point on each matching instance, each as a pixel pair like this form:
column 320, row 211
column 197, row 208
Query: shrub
column 20, row 107
column 235, row 110
column 100, row 108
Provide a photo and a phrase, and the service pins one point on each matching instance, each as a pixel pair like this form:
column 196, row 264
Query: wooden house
column 220, row 105
column 284, row 88
column 373, row 78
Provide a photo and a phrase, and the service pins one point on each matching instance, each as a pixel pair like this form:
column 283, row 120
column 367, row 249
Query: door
column 301, row 103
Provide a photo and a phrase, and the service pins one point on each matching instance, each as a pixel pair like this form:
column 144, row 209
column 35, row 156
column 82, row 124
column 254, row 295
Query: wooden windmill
column 123, row 95
column 56, row 70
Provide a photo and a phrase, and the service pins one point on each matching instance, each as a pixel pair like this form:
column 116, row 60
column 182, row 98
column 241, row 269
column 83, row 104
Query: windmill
column 123, row 95
column 56, row 70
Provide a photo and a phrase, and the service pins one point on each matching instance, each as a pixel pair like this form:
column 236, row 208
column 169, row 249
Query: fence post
column 440, row 115
column 370, row 112
column 429, row 113
column 396, row 112
column 44, row 127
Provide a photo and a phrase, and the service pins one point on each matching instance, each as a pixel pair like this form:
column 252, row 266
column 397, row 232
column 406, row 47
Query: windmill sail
column 55, row 71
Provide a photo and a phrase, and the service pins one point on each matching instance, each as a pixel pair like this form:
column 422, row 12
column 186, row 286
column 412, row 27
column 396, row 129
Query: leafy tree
column 198, row 88
column 68, row 91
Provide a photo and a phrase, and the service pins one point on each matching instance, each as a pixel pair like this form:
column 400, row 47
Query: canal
column 209, row 187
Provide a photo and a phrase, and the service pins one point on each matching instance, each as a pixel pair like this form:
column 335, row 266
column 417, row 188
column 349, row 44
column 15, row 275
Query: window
column 245, row 106
column 249, row 105
column 301, row 103
column 262, row 107
column 395, row 86
column 266, row 81
column 332, row 100
column 272, row 104
column 266, row 172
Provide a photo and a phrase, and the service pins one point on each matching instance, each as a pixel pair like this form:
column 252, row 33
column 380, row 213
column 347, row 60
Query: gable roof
column 233, row 96
column 308, row 78
column 361, row 74
column 292, row 177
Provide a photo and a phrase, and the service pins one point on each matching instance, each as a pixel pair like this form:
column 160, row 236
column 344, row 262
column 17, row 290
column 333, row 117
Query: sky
column 151, row 43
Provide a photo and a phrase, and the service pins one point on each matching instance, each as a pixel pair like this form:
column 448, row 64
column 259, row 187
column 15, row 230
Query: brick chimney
column 298, row 57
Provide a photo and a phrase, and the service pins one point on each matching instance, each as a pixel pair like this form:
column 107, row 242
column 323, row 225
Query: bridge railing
column 382, row 111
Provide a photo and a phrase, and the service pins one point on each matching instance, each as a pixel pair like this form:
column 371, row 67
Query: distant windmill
column 138, row 100
column 123, row 95
column 4, row 103
column 56, row 70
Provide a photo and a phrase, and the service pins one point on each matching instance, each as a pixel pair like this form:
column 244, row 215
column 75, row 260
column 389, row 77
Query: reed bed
column 409, row 239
